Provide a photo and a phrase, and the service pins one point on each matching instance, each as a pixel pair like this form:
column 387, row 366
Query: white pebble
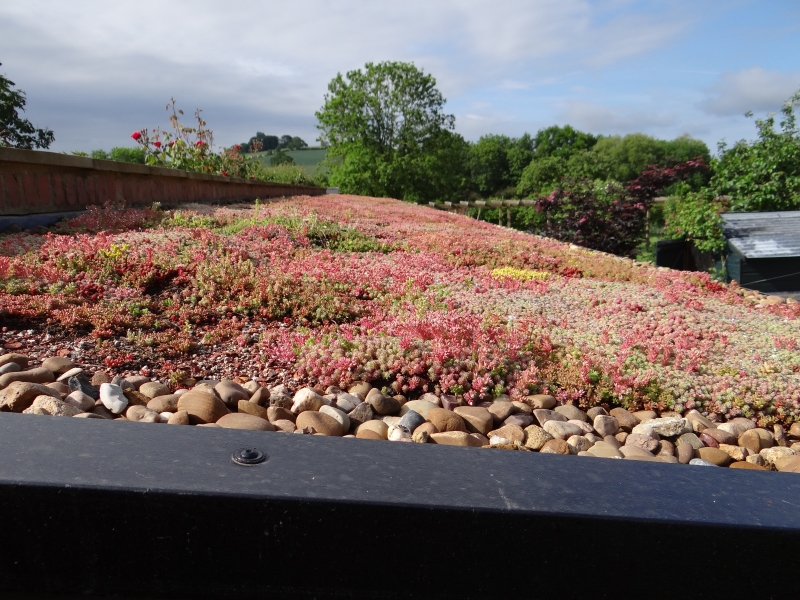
column 70, row 373
column 112, row 398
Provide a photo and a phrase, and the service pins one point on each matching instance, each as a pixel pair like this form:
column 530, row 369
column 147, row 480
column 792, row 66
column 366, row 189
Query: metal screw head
column 248, row 456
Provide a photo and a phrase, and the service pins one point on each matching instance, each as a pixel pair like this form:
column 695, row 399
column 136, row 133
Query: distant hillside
column 307, row 159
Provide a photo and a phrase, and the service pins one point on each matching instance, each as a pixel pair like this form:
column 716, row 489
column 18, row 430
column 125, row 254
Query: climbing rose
column 224, row 173
column 157, row 144
column 136, row 135
column 199, row 143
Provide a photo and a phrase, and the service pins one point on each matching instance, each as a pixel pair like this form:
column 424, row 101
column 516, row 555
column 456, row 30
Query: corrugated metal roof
column 764, row 234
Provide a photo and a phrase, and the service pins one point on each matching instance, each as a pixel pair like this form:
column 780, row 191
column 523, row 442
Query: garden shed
column 763, row 250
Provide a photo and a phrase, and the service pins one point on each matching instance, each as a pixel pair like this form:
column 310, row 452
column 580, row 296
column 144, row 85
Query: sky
column 95, row 71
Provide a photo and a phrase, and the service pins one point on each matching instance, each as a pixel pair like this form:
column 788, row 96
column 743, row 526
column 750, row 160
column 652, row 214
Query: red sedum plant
column 341, row 288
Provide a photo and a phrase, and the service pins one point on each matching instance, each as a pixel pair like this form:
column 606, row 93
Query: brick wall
column 35, row 182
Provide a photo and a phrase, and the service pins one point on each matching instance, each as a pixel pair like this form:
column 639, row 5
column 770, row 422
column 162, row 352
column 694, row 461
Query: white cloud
column 756, row 89
column 94, row 69
column 598, row 118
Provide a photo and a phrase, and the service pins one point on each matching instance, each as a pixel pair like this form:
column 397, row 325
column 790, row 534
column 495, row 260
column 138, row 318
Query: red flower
column 199, row 143
column 238, row 146
column 157, row 144
column 172, row 143
column 136, row 135
column 224, row 173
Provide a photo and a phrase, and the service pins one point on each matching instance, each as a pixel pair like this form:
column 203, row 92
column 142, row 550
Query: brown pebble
column 511, row 432
column 555, row 446
column 168, row 403
column 20, row 359
column 140, row 414
column 714, row 455
column 320, row 423
column 284, row 425
column 278, row 413
column 708, row 440
column 428, row 428
column 179, row 418
column 667, row 448
column 202, row 407
column 245, row 421
column 100, row 377
column 685, row 453
column 746, row 465
column 135, row 397
column 260, row 396
column 251, row 408
column 446, row 420
column 500, row 411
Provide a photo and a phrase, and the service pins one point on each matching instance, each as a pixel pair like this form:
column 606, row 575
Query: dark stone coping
column 159, row 511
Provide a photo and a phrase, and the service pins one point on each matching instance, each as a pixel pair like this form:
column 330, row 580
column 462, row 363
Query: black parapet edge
column 113, row 509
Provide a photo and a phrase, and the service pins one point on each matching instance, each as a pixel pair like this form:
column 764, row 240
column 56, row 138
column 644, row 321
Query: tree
column 608, row 216
column 628, row 156
column 561, row 142
column 496, row 163
column 264, row 142
column 14, row 130
column 129, row 155
column 489, row 171
column 296, row 143
column 541, row 176
column 280, row 158
column 765, row 174
column 385, row 129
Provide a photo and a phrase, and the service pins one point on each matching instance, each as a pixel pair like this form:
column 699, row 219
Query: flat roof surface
column 764, row 234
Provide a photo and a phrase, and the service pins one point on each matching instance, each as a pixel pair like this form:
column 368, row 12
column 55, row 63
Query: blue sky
column 95, row 71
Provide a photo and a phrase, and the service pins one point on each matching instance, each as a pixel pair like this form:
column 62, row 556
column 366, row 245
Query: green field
column 306, row 159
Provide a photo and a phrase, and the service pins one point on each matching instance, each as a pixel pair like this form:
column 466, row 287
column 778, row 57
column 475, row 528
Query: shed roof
column 763, row 234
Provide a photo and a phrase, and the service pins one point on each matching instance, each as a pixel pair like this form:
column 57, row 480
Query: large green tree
column 388, row 135
column 764, row 174
column 14, row 130
column 496, row 163
column 561, row 142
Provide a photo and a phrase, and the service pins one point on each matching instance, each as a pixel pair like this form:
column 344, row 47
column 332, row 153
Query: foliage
column 280, row 158
column 289, row 142
column 607, row 216
column 695, row 216
column 626, row 157
column 261, row 141
column 14, row 130
column 129, row 155
column 190, row 148
column 496, row 163
column 611, row 159
column 759, row 176
column 561, row 142
column 598, row 216
column 387, row 133
column 765, row 174
column 264, row 142
column 541, row 176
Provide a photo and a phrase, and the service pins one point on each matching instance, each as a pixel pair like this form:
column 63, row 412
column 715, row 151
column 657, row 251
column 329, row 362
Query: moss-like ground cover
column 409, row 298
